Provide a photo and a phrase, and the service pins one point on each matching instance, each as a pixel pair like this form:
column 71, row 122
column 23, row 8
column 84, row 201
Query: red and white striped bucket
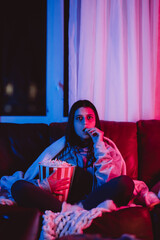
column 59, row 173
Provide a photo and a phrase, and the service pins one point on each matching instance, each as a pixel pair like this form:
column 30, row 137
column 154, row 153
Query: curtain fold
column 114, row 57
column 156, row 61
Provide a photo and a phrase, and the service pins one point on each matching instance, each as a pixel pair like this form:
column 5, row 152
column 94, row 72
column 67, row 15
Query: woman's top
column 107, row 163
column 96, row 166
column 102, row 161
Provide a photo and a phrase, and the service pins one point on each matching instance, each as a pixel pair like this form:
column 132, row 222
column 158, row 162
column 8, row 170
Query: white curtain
column 114, row 57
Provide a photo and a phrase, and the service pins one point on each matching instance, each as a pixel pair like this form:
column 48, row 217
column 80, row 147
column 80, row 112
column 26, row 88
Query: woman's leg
column 119, row 189
column 28, row 195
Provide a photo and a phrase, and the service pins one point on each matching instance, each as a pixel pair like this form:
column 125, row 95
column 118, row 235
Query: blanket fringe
column 56, row 225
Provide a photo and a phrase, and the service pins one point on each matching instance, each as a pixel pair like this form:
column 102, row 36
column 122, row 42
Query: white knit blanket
column 56, row 225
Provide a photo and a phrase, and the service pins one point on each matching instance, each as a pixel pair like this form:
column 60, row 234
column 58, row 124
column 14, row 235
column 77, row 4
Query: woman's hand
column 58, row 185
column 95, row 133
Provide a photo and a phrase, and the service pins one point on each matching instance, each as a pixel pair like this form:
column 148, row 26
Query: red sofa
column 139, row 143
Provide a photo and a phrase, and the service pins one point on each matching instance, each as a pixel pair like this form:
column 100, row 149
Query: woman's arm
column 109, row 162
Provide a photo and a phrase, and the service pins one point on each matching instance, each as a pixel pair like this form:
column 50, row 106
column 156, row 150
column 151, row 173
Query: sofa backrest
column 20, row 145
column 124, row 135
column 149, row 151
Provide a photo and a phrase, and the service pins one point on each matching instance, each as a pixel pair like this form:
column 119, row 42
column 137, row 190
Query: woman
column 100, row 173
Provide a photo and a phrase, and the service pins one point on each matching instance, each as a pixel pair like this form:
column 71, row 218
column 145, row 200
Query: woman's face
column 84, row 118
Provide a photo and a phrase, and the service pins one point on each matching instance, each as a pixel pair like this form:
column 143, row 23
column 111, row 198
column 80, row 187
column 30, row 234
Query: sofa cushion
column 149, row 151
column 20, row 145
column 124, row 134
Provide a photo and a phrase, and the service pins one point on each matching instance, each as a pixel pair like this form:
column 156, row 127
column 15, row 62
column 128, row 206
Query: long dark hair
column 71, row 136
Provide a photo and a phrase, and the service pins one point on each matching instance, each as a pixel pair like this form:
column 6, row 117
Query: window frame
column 54, row 69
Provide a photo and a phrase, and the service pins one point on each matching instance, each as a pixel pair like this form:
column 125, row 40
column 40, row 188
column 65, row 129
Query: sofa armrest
column 19, row 223
column 131, row 220
column 155, row 216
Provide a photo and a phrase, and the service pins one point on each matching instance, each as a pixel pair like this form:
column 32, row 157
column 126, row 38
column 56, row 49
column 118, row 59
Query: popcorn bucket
column 59, row 173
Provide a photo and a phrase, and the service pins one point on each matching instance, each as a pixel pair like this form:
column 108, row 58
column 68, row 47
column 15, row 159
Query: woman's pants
column 119, row 189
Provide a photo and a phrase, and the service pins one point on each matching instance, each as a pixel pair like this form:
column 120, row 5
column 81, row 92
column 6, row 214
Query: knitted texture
column 56, row 225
